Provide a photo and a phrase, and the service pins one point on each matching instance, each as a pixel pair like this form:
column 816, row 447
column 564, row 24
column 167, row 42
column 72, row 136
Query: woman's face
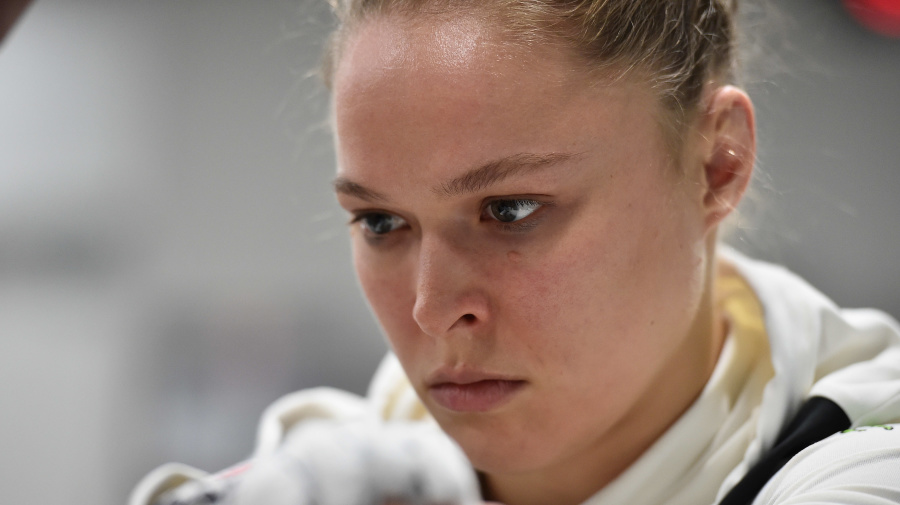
column 532, row 250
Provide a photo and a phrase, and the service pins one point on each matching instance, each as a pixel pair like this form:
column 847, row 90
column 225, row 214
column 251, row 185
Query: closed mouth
column 476, row 395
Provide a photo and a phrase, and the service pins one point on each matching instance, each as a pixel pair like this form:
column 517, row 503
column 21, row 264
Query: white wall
column 171, row 259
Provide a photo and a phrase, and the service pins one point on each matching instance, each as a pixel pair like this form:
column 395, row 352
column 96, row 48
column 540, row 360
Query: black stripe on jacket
column 817, row 419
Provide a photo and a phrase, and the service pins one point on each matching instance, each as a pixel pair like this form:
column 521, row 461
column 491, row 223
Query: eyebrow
column 350, row 188
column 472, row 181
column 495, row 171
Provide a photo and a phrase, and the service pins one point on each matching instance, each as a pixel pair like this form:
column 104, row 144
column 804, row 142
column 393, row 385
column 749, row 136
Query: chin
column 495, row 448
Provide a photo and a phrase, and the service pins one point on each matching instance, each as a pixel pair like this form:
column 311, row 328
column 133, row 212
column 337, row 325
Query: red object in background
column 880, row 16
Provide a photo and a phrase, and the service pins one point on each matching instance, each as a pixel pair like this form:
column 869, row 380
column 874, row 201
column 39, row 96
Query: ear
column 730, row 151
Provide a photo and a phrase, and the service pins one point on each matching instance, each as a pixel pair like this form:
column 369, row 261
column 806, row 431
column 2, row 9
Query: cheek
column 387, row 287
column 548, row 308
column 619, row 290
column 653, row 273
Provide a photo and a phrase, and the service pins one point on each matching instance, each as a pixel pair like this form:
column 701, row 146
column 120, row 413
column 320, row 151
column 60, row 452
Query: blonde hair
column 678, row 45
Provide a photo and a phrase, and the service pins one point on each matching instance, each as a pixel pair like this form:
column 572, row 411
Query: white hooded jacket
column 849, row 356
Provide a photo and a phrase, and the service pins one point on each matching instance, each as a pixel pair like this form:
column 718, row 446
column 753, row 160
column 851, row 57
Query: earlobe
column 728, row 163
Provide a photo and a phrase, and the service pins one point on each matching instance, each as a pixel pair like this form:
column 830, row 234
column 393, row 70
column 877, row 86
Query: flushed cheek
column 547, row 313
column 589, row 302
column 387, row 287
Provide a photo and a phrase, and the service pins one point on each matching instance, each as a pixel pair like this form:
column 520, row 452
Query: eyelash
column 521, row 226
column 371, row 237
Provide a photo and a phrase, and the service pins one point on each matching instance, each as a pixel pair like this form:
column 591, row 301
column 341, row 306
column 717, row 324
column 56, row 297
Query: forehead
column 431, row 54
column 452, row 91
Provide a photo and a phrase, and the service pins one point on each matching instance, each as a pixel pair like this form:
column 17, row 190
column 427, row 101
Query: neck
column 670, row 394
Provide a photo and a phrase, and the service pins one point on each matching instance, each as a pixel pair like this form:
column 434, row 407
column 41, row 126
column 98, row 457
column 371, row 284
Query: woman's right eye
column 379, row 223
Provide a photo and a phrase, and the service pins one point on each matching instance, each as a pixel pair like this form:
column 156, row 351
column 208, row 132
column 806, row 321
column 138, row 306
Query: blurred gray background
column 172, row 260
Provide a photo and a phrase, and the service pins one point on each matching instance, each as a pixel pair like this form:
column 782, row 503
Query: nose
column 450, row 288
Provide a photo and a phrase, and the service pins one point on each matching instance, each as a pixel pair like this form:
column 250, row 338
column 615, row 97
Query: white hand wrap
column 324, row 462
column 329, row 462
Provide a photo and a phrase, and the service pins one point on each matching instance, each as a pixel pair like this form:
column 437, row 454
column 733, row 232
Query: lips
column 473, row 392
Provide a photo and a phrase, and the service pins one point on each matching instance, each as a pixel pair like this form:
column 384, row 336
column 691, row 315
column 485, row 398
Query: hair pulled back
column 678, row 45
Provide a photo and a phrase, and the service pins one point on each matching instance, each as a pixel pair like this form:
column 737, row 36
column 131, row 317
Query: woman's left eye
column 509, row 211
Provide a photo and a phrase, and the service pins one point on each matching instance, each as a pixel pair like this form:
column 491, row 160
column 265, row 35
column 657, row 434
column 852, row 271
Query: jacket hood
column 849, row 356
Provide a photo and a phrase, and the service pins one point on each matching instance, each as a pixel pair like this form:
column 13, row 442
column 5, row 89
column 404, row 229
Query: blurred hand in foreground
column 327, row 462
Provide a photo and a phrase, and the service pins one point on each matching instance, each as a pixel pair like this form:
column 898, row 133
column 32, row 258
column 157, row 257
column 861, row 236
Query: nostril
column 468, row 318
